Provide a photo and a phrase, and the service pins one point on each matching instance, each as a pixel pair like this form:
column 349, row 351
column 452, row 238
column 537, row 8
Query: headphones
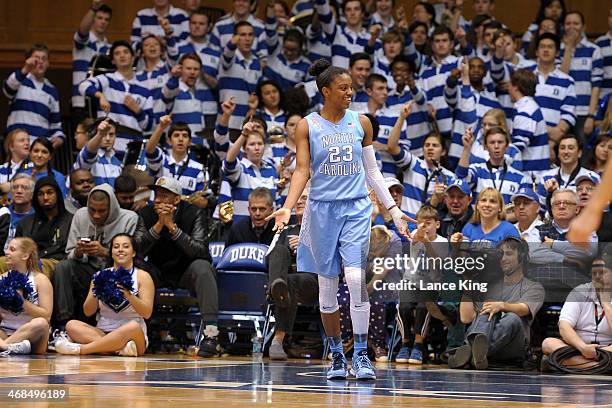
column 523, row 250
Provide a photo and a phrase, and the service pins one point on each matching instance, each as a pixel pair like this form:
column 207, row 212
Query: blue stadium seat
column 242, row 281
column 216, row 251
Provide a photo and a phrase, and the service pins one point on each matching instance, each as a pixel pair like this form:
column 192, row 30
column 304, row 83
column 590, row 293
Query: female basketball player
column 335, row 146
column 121, row 327
column 27, row 331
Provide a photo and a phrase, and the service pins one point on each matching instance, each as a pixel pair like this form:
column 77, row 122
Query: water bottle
column 257, row 348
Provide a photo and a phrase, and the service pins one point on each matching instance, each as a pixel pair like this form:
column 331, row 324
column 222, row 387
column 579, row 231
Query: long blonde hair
column 501, row 215
column 28, row 246
column 380, row 240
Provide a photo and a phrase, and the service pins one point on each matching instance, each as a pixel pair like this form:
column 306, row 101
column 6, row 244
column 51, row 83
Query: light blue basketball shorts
column 334, row 234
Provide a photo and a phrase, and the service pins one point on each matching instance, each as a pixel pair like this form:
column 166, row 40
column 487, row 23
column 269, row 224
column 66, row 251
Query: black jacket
column 242, row 231
column 51, row 236
column 169, row 256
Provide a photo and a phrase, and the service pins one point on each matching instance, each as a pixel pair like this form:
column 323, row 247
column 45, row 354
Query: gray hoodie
column 118, row 221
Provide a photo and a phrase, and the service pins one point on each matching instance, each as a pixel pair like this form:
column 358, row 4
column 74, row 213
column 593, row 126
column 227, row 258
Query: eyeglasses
column 18, row 187
column 564, row 203
column 586, row 189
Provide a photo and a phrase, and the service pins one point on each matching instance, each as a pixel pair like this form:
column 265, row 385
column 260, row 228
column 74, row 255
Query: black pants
column 303, row 287
column 412, row 315
column 201, row 280
column 71, row 282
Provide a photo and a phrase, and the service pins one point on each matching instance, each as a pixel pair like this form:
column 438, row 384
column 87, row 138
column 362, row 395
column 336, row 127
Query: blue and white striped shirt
column 105, row 167
column 223, row 32
column 434, row 78
column 154, row 81
column 528, row 37
column 605, row 45
column 33, row 106
column 564, row 180
column 222, row 141
column 556, row 97
column 287, row 73
column 209, row 56
column 382, row 67
column 189, row 105
column 146, row 22
column 386, row 117
column 83, row 50
column 238, row 77
column 507, row 180
column 471, row 108
column 419, row 180
column 189, row 173
column 530, row 137
column 344, row 42
column 9, row 170
column 586, row 67
column 501, row 71
column 318, row 45
column 417, row 123
column 115, row 88
column 360, row 101
column 377, row 19
column 300, row 6
column 242, row 177
column 272, row 119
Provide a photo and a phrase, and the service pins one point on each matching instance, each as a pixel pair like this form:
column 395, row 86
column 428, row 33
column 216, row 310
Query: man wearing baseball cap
column 456, row 210
column 526, row 209
column 585, row 185
column 174, row 242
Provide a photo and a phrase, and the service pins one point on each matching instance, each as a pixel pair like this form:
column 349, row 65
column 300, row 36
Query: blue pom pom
column 9, row 298
column 105, row 285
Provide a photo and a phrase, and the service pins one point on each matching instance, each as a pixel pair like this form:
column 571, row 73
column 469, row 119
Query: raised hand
column 253, row 101
column 104, row 104
column 465, row 71
column 176, row 70
column 468, row 138
column 551, row 185
column 165, row 25
column 30, row 65
column 456, row 237
column 228, row 106
column 281, row 219
column 406, row 109
column 499, row 45
column 104, row 127
column 131, row 104
column 375, row 31
column 165, row 121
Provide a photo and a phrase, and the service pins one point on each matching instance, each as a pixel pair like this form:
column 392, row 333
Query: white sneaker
column 63, row 346
column 23, row 347
column 130, row 349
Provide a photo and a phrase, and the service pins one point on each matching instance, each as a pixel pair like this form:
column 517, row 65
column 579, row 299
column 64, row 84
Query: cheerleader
column 121, row 327
column 24, row 322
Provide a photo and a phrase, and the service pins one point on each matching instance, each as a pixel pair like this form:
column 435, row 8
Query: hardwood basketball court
column 169, row 381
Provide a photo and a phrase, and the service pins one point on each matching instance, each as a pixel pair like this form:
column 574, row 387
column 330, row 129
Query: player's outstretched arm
column 589, row 218
column 300, row 177
column 375, row 179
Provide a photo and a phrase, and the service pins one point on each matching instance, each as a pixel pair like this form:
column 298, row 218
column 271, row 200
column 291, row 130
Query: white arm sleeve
column 374, row 177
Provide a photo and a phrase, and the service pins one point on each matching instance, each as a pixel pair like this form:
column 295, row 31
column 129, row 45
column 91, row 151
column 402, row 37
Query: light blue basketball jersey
column 337, row 171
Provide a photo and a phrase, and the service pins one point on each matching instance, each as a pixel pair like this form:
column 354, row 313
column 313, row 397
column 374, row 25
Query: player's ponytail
column 325, row 73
